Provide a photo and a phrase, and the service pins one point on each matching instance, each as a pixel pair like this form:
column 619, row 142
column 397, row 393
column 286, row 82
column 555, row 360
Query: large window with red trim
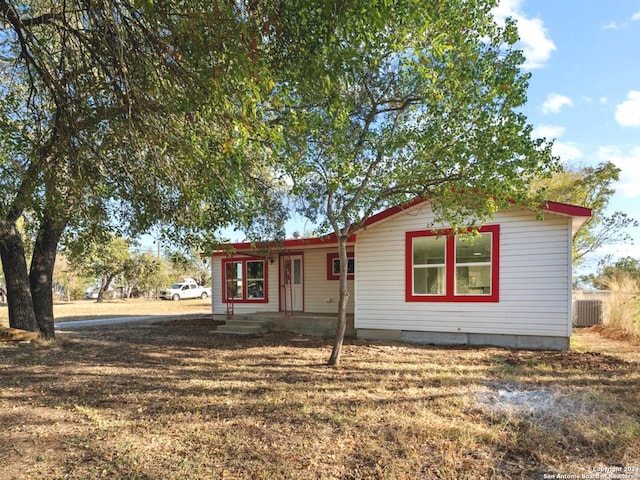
column 244, row 280
column 444, row 267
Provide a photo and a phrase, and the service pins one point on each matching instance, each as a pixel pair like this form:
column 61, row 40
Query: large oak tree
column 121, row 115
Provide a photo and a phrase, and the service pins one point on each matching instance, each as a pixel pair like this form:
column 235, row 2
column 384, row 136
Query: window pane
column 287, row 271
column 297, row 271
column 351, row 266
column 234, row 270
column 473, row 249
column 473, row 280
column 428, row 281
column 428, row 250
column 234, row 279
column 255, row 269
column 234, row 288
column 255, row 288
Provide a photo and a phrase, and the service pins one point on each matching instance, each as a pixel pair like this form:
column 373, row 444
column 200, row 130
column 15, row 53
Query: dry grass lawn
column 170, row 400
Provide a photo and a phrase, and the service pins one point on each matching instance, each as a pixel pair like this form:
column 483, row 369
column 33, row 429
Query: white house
column 509, row 286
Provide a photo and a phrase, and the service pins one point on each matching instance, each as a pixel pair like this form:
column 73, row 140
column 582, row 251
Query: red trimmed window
column 443, row 267
column 333, row 266
column 244, row 280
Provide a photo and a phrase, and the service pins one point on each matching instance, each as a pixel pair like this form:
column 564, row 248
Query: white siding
column 322, row 295
column 535, row 280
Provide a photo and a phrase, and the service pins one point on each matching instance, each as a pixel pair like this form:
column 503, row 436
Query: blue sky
column 585, row 88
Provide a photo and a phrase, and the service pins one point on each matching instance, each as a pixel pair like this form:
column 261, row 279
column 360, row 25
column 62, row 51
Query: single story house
column 510, row 286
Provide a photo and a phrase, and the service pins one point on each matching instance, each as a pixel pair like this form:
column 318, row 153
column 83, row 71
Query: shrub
column 623, row 305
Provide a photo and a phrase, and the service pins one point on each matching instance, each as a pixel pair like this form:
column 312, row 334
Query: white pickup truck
column 187, row 289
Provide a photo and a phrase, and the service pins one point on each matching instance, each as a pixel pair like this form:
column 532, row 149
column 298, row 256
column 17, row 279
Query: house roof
column 579, row 216
column 288, row 244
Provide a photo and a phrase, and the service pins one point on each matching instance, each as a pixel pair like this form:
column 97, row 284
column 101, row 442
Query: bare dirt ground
column 606, row 341
column 169, row 399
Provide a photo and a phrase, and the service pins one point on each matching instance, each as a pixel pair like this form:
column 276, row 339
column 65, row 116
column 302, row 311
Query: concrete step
column 244, row 326
column 247, row 322
column 241, row 329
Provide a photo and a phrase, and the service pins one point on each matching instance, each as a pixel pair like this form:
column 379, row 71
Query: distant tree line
column 115, row 266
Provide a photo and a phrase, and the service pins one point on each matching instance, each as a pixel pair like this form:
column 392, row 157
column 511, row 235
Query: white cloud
column 604, row 100
column 628, row 161
column 628, row 112
column 567, row 151
column 555, row 102
column 536, row 44
column 620, row 250
column 548, row 131
column 619, row 26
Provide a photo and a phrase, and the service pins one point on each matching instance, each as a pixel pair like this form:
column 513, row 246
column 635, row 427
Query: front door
column 292, row 283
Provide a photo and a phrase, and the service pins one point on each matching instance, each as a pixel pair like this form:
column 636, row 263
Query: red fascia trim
column 450, row 265
column 244, row 298
column 567, row 209
column 286, row 253
column 389, row 212
column 553, row 207
column 330, row 258
column 330, row 239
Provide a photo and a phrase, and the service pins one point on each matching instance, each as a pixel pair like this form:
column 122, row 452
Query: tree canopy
column 614, row 272
column 103, row 259
column 591, row 187
column 121, row 115
column 424, row 102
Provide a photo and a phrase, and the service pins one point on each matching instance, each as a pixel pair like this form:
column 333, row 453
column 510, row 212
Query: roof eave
column 288, row 244
column 579, row 215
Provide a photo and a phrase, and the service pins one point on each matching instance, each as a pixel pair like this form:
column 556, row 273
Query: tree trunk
column 41, row 274
column 106, row 281
column 19, row 301
column 342, row 305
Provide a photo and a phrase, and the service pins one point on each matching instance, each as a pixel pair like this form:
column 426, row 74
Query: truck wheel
column 175, row 297
column 204, row 296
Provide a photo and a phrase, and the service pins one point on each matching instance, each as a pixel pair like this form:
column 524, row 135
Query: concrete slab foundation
column 523, row 342
column 505, row 341
column 434, row 338
column 325, row 325
column 318, row 326
column 370, row 334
